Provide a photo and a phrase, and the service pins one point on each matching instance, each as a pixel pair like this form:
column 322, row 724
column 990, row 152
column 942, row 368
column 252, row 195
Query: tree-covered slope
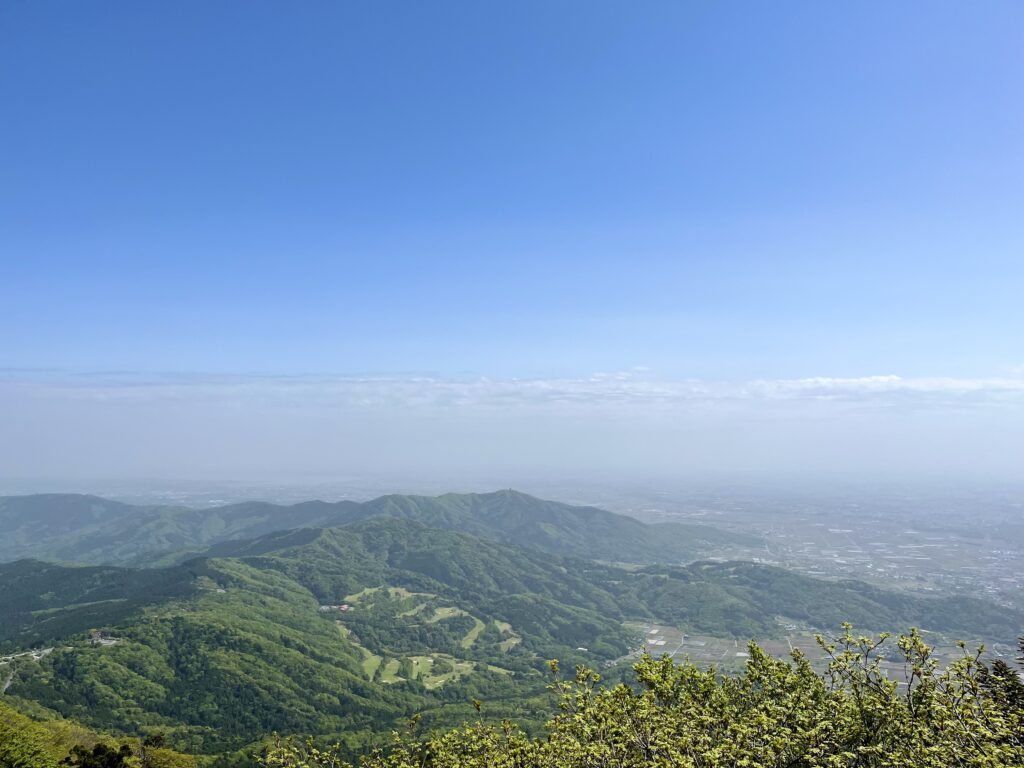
column 87, row 529
column 219, row 669
column 49, row 743
column 550, row 526
column 33, row 525
column 739, row 599
column 747, row 600
column 121, row 534
column 42, row 602
column 247, row 649
column 220, row 650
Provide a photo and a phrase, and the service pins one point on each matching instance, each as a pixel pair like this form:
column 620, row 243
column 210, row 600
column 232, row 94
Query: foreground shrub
column 778, row 714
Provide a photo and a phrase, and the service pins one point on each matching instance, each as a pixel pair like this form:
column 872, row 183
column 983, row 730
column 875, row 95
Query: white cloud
column 637, row 388
column 115, row 424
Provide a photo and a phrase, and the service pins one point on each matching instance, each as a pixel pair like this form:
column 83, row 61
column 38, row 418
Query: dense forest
column 777, row 714
column 215, row 653
column 89, row 529
column 345, row 633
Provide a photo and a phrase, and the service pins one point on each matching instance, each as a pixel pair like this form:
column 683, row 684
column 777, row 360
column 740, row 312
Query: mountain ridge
column 120, row 534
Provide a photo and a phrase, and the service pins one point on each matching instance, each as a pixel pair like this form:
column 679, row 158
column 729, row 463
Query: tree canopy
column 779, row 714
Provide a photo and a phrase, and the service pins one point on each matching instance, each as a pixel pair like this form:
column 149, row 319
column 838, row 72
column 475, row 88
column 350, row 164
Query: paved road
column 37, row 654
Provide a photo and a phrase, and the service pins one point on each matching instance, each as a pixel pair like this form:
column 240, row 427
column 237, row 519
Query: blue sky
column 722, row 192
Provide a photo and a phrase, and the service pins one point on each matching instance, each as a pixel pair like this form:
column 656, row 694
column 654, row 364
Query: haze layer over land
column 630, row 426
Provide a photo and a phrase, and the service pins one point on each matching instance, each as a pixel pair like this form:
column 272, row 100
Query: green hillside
column 42, row 602
column 41, row 525
column 47, row 742
column 742, row 600
column 219, row 651
column 99, row 532
column 588, row 532
column 246, row 649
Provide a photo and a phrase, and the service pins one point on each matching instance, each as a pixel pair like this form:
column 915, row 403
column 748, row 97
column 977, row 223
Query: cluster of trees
column 26, row 743
column 219, row 675
column 779, row 714
column 43, row 602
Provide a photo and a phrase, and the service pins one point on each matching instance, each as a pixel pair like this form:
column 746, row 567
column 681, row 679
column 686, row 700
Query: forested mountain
column 220, row 650
column 41, row 602
column 37, row 524
column 87, row 529
column 249, row 649
column 735, row 598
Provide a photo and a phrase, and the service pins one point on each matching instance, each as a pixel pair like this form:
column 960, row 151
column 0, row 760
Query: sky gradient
column 253, row 238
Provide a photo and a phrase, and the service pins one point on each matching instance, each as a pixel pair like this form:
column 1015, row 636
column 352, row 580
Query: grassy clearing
column 421, row 665
column 45, row 611
column 357, row 596
column 445, row 612
column 414, row 610
column 509, row 642
column 390, row 672
column 473, row 634
column 424, row 668
column 393, row 592
column 460, row 668
column 370, row 662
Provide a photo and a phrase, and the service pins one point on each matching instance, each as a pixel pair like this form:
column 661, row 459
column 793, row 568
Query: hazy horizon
column 627, row 425
column 522, row 242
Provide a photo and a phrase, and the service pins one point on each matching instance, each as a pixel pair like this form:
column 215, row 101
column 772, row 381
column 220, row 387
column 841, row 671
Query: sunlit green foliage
column 26, row 743
column 23, row 744
column 777, row 715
